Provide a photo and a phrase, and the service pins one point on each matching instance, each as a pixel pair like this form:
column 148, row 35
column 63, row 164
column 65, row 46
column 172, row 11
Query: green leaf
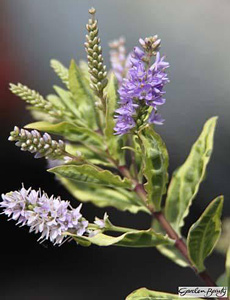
column 91, row 174
column 155, row 164
column 55, row 100
column 40, row 115
column 60, row 70
column 67, row 100
column 75, row 83
column 113, row 142
column 145, row 294
column 204, row 233
column 135, row 239
column 186, row 180
column 85, row 81
column 70, row 131
column 84, row 99
column 104, row 196
column 88, row 154
column 79, row 82
column 136, row 153
column 112, row 100
column 224, row 241
column 85, row 72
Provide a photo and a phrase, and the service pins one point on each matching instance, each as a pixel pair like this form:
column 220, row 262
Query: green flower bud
column 97, row 69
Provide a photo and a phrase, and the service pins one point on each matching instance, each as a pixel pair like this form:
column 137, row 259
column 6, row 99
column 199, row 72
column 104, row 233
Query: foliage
column 128, row 172
column 204, row 233
column 186, row 179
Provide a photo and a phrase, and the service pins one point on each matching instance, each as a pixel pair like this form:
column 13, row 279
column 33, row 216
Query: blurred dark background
column 195, row 37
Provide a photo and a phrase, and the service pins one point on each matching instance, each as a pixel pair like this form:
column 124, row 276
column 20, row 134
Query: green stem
column 100, row 120
column 103, row 101
column 73, row 157
column 112, row 228
column 120, row 229
column 81, row 160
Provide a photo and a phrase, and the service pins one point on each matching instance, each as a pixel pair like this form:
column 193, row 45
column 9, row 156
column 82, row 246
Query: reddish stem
column 179, row 243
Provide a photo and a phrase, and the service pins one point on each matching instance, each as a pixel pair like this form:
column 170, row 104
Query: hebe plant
column 112, row 156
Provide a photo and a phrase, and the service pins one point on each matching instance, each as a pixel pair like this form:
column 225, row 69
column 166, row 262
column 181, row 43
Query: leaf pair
column 185, row 181
column 185, row 184
column 83, row 98
column 103, row 196
column 101, row 187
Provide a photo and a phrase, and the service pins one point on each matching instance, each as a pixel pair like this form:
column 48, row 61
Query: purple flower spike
column 50, row 216
column 119, row 61
column 143, row 86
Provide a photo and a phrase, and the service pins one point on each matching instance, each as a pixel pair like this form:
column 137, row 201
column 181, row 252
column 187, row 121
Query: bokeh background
column 195, row 37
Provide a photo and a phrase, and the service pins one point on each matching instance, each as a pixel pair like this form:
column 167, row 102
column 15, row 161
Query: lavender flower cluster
column 142, row 91
column 35, row 143
column 50, row 216
column 120, row 62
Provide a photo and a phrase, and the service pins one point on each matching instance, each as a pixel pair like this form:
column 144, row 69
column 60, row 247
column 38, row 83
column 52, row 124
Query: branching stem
column 159, row 216
column 179, row 243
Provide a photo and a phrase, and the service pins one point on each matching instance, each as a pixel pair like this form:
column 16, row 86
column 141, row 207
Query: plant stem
column 80, row 160
column 179, row 243
column 206, row 278
column 182, row 247
column 120, row 229
column 124, row 171
column 113, row 228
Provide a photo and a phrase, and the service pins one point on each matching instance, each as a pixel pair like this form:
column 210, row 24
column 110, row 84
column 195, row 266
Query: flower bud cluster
column 50, row 216
column 120, row 62
column 151, row 44
column 97, row 69
column 33, row 142
column 36, row 100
